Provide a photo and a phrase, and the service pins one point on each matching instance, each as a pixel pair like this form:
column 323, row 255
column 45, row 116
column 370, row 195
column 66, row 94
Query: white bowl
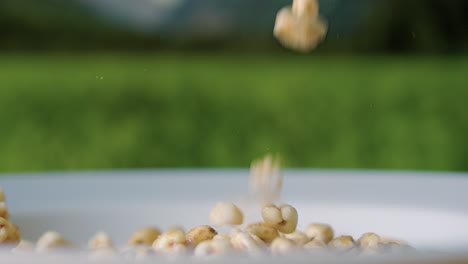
column 428, row 210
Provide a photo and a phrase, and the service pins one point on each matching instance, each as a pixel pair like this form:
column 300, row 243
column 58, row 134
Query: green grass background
column 70, row 112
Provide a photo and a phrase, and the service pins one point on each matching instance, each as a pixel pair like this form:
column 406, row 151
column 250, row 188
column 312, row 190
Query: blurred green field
column 64, row 112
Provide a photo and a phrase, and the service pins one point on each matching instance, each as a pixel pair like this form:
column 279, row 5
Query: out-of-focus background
column 98, row 84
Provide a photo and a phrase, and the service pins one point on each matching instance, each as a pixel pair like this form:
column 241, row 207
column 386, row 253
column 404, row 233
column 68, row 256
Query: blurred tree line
column 416, row 26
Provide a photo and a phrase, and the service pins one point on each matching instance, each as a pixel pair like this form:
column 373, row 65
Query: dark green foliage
column 202, row 110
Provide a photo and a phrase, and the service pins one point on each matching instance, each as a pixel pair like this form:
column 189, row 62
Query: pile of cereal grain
column 275, row 234
column 9, row 232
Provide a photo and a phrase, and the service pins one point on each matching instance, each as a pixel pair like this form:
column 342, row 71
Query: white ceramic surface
column 429, row 210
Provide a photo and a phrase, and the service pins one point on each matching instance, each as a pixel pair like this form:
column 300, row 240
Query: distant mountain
column 360, row 25
column 215, row 17
column 210, row 17
column 256, row 16
column 46, row 14
column 140, row 15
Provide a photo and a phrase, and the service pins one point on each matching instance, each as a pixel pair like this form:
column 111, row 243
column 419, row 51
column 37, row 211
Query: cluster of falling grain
column 300, row 27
